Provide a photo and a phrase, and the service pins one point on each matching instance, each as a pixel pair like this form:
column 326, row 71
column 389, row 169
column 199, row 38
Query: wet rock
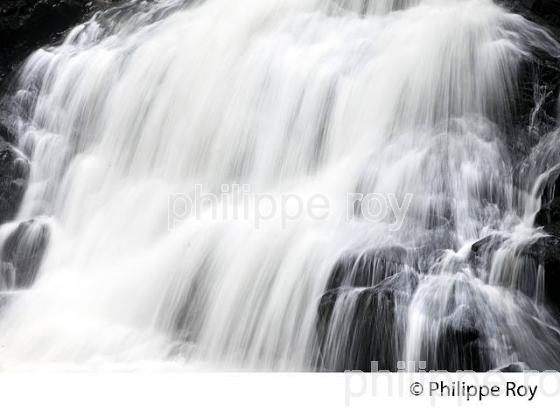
column 534, row 337
column 519, row 367
column 482, row 253
column 7, row 133
column 26, row 25
column 545, row 12
column 23, row 250
column 460, row 344
column 549, row 218
column 485, row 244
column 538, row 87
column 14, row 171
column 546, row 251
column 549, row 214
column 520, row 265
column 535, row 109
column 7, row 277
column 358, row 326
column 367, row 268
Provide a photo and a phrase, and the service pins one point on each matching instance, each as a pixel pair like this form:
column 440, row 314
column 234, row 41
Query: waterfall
column 150, row 102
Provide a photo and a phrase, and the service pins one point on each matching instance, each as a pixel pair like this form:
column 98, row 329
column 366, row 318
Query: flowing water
column 314, row 97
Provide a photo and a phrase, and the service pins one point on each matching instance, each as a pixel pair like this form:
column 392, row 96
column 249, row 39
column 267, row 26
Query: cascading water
column 407, row 98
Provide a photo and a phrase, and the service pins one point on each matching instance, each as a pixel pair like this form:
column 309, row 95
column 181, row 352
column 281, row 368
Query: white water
column 285, row 95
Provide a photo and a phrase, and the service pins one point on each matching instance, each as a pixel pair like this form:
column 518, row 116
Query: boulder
column 482, row 252
column 7, row 133
column 367, row 268
column 549, row 214
column 522, row 271
column 518, row 367
column 14, row 172
column 358, row 326
column 547, row 252
column 23, row 252
column 459, row 345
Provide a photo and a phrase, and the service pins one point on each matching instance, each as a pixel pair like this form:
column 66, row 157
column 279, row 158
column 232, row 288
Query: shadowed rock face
column 14, row 170
column 538, row 85
column 546, row 252
column 356, row 326
column 548, row 249
column 26, row 25
column 22, row 253
column 542, row 11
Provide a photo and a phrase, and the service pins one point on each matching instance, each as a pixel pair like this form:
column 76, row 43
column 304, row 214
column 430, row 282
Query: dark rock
column 26, row 25
column 14, row 171
column 543, row 12
column 452, row 334
column 367, row 268
column 7, row 133
column 534, row 338
column 7, row 278
column 546, row 251
column 549, row 218
column 520, row 263
column 549, row 214
column 486, row 243
column 459, row 345
column 24, row 250
column 356, row 326
column 535, row 109
column 514, row 368
column 482, row 252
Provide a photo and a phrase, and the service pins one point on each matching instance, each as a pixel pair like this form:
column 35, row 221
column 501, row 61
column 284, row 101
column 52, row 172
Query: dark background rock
column 539, row 76
column 14, row 170
column 518, row 367
column 373, row 328
column 367, row 268
column 547, row 252
column 26, row 25
column 23, row 251
column 543, row 12
column 549, row 215
column 370, row 335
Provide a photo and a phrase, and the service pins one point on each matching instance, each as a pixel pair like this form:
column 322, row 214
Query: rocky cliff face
column 541, row 11
column 28, row 24
column 546, row 252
